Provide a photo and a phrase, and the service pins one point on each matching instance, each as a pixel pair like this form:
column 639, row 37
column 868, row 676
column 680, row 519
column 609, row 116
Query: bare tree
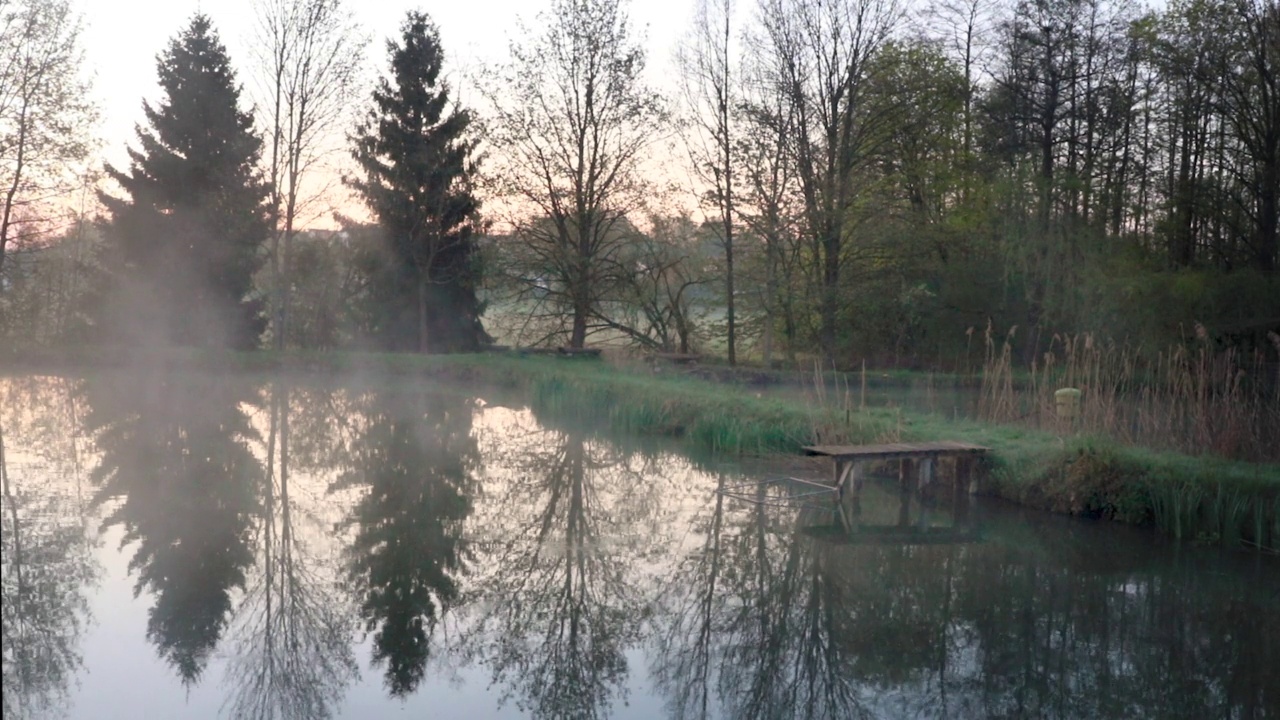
column 311, row 55
column 1251, row 104
column 666, row 277
column 769, row 208
column 707, row 75
column 824, row 49
column 965, row 27
column 45, row 114
column 571, row 121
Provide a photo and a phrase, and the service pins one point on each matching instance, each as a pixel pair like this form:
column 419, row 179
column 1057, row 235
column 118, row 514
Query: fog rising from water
column 275, row 547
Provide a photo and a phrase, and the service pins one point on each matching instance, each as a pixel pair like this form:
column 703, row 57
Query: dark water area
column 201, row 546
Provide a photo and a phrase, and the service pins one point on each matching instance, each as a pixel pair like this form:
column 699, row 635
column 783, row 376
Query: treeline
column 866, row 184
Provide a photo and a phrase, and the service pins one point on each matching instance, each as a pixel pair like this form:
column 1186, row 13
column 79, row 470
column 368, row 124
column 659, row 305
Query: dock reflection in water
column 310, row 548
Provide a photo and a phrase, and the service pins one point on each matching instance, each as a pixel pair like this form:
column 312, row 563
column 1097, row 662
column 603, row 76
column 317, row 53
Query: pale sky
column 122, row 38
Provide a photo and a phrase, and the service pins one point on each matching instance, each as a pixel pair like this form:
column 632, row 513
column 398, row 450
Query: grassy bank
column 1198, row 498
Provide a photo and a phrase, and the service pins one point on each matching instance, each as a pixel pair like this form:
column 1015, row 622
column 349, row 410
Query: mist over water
column 217, row 545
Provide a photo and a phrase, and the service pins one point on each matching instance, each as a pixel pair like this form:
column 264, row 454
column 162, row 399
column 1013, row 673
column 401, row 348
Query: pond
column 201, row 545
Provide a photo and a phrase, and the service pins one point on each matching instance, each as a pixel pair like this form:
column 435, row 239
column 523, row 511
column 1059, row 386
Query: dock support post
column 959, row 505
column 924, row 481
column 926, row 473
column 848, row 483
column 853, row 489
column 907, row 474
column 906, row 487
column 965, row 477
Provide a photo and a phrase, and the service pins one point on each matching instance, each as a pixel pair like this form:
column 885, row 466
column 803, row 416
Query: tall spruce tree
column 418, row 161
column 186, row 242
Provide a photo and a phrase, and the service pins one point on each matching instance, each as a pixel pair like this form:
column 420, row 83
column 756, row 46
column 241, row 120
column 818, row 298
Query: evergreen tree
column 417, row 163
column 186, row 243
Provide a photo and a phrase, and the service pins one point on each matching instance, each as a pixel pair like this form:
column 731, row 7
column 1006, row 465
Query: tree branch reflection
column 46, row 568
column 292, row 654
column 561, row 598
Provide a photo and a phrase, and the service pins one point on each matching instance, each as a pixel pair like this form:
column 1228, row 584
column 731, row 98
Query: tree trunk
column 578, row 336
column 830, row 291
column 1184, row 238
column 770, row 291
column 728, row 194
column 1269, row 205
column 422, row 314
column 7, row 216
column 728, row 260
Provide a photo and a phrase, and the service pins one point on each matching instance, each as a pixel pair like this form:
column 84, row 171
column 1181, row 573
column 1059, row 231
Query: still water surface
column 200, row 546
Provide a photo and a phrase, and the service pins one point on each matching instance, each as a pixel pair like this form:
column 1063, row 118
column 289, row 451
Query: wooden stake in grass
column 862, row 399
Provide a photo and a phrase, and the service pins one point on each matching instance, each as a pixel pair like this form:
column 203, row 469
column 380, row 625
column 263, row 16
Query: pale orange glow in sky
column 122, row 38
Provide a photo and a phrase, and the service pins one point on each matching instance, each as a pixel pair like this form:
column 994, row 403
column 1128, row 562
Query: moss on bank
column 1198, row 498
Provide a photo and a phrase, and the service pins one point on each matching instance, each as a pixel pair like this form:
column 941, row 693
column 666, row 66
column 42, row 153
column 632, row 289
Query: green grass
column 1199, row 498
column 1196, row 498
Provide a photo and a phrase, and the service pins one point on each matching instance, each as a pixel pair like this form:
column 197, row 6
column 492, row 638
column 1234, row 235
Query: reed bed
column 1140, row 420
column 1192, row 399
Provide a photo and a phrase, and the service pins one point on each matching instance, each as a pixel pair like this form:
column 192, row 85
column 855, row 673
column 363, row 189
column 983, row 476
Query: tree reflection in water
column 758, row 623
column 561, row 556
column 564, row 594
column 414, row 463
column 291, row 656
column 788, row 613
column 46, row 564
column 179, row 475
column 691, row 610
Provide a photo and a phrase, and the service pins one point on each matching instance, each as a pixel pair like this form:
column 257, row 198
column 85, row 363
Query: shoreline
column 1202, row 498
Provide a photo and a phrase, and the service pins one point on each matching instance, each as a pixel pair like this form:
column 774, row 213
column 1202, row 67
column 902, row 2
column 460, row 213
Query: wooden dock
column 917, row 465
column 887, row 451
column 560, row 351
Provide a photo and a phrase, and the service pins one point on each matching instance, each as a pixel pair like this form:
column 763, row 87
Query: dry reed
column 1191, row 398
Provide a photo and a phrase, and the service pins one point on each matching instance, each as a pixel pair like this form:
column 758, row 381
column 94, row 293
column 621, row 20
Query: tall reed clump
column 1226, row 510
column 1187, row 400
column 838, row 416
column 1190, row 398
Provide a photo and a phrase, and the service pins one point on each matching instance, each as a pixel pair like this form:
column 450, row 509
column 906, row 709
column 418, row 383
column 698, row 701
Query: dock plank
column 889, row 450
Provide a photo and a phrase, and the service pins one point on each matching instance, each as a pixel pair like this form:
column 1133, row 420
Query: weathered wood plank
column 562, row 351
column 894, row 450
column 675, row 358
column 897, row 535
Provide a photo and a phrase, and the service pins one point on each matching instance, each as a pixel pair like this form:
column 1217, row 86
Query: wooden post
column 840, row 471
column 960, row 492
column 853, row 485
column 964, row 474
column 843, row 468
column 906, row 485
column 907, row 473
column 925, row 480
